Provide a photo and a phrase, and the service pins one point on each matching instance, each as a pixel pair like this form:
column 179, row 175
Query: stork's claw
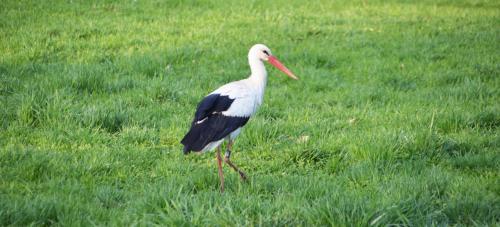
column 243, row 176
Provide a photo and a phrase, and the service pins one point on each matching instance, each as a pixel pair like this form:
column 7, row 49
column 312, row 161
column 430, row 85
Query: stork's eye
column 265, row 52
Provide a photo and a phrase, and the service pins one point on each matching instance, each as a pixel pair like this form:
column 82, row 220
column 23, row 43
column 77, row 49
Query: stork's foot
column 243, row 176
column 227, row 159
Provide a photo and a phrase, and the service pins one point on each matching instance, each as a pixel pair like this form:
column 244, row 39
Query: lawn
column 395, row 118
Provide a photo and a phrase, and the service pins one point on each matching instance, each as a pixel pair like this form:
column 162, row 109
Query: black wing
column 210, row 104
column 209, row 124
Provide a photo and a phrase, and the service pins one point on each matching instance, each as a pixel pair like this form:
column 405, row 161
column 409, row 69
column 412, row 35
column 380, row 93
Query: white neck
column 259, row 73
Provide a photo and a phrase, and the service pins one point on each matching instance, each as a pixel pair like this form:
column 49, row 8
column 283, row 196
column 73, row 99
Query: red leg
column 221, row 174
column 227, row 159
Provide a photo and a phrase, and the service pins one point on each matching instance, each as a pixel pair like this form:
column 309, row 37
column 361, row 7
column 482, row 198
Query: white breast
column 247, row 99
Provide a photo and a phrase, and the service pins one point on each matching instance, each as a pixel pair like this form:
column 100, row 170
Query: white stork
column 221, row 114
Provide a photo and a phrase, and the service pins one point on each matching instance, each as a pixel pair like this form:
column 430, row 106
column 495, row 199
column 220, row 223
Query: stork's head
column 263, row 53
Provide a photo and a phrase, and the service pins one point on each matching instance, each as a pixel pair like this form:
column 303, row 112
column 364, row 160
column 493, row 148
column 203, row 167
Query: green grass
column 395, row 118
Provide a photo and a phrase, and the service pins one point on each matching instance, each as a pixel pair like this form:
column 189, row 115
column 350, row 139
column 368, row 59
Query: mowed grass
column 395, row 118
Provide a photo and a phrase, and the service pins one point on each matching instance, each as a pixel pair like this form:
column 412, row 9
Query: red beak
column 276, row 63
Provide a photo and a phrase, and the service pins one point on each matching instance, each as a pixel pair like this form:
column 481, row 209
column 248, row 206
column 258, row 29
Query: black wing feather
column 212, row 103
column 209, row 124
